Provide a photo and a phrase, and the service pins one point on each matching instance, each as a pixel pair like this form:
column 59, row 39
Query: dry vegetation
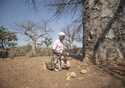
column 103, row 24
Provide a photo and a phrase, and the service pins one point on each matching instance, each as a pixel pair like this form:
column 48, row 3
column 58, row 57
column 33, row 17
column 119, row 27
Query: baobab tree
column 34, row 32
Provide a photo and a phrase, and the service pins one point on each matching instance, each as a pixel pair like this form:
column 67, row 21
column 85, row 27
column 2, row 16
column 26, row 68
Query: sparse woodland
column 100, row 28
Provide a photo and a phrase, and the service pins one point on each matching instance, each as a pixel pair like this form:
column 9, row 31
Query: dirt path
column 25, row 72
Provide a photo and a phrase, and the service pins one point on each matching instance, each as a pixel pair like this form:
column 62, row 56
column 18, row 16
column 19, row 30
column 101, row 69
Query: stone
column 83, row 71
column 43, row 66
column 80, row 78
column 70, row 75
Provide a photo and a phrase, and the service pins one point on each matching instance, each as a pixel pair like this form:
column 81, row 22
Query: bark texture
column 105, row 30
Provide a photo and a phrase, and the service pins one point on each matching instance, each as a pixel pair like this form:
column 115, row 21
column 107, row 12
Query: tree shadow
column 78, row 57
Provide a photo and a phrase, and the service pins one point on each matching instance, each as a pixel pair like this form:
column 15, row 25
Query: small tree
column 73, row 33
column 7, row 39
column 47, row 41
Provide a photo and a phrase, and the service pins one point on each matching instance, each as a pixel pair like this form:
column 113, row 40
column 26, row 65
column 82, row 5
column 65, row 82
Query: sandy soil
column 24, row 72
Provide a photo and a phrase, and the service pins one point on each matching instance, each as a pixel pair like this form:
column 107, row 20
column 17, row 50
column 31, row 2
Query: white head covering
column 61, row 34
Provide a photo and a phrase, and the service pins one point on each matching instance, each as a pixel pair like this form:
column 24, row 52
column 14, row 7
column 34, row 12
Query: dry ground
column 23, row 72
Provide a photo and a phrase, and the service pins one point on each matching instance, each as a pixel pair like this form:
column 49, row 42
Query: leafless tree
column 73, row 34
column 34, row 32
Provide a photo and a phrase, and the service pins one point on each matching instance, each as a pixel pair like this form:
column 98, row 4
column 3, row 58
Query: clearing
column 24, row 72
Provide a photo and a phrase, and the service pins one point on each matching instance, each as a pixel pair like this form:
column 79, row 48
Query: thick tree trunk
column 100, row 17
column 34, row 47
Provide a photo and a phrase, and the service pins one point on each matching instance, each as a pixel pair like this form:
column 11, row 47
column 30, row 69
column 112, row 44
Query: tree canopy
column 7, row 38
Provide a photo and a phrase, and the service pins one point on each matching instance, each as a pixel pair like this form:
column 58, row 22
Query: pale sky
column 14, row 12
